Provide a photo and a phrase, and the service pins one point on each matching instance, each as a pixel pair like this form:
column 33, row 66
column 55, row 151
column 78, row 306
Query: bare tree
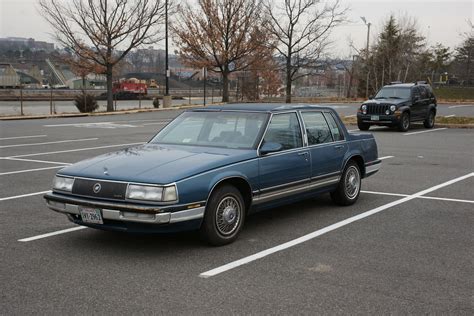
column 110, row 27
column 302, row 29
column 220, row 35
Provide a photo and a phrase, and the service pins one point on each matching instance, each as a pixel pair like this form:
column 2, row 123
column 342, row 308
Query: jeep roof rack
column 396, row 82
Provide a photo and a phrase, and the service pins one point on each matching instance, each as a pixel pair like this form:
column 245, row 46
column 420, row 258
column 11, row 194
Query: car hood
column 386, row 101
column 152, row 163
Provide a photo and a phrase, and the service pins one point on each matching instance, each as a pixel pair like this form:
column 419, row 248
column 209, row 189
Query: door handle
column 303, row 154
column 339, row 146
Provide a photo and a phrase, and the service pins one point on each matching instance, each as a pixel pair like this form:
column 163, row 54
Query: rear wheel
column 348, row 190
column 363, row 126
column 404, row 123
column 224, row 217
column 430, row 120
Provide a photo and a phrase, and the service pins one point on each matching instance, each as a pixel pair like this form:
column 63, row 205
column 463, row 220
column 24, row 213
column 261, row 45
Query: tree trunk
column 110, row 96
column 225, row 86
column 288, row 79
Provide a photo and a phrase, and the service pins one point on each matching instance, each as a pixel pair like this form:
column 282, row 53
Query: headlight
column 387, row 112
column 63, row 183
column 364, row 108
column 393, row 108
column 152, row 193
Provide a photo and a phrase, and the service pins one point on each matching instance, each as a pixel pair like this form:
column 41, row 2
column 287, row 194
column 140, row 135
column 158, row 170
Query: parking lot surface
column 407, row 245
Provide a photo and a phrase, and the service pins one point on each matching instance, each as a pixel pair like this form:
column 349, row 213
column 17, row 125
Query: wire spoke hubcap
column 228, row 215
column 352, row 182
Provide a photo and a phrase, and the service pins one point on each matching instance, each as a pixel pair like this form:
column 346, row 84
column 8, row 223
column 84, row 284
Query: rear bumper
column 118, row 214
column 372, row 167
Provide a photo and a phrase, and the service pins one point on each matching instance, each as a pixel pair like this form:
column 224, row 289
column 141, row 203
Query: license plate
column 374, row 117
column 91, row 215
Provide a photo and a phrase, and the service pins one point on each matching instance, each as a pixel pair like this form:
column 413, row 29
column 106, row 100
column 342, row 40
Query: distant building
column 21, row 43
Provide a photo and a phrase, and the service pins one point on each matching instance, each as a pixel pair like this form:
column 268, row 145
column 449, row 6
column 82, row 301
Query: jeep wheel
column 404, row 123
column 430, row 120
column 363, row 126
column 224, row 217
column 348, row 190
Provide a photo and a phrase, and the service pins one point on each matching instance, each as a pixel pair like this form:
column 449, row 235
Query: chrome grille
column 108, row 189
column 377, row 108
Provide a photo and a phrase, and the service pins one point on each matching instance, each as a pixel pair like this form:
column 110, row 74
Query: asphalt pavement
column 406, row 246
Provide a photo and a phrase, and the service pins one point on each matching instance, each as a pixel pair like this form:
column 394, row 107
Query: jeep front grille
column 377, row 108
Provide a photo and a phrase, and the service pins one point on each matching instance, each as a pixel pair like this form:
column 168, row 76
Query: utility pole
column 367, row 56
column 167, row 97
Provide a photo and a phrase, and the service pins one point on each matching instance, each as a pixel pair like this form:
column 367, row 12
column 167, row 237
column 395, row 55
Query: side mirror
column 371, row 97
column 270, row 147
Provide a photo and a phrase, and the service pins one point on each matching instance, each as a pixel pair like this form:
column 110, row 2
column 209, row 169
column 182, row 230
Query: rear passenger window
column 285, row 130
column 335, row 130
column 317, row 128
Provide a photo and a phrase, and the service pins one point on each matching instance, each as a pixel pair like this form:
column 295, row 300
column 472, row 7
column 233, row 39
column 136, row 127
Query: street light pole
column 167, row 97
column 367, row 55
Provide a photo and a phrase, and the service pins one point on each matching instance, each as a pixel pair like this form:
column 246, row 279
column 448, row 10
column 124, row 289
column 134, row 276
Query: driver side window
column 285, row 130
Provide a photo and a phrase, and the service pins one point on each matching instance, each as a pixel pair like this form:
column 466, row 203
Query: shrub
column 156, row 103
column 85, row 103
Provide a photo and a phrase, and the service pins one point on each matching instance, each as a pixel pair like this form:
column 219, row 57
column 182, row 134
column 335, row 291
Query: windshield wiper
column 394, row 98
column 380, row 98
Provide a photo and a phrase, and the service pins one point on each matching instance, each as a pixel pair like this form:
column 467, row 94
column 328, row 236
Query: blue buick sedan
column 209, row 168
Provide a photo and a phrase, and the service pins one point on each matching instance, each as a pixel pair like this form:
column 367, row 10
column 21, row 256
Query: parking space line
column 420, row 197
column 48, row 143
column 319, row 232
column 452, row 115
column 459, row 106
column 30, row 170
column 59, row 232
column 23, row 195
column 386, row 157
column 21, row 137
column 73, row 150
column 426, row 131
column 40, row 161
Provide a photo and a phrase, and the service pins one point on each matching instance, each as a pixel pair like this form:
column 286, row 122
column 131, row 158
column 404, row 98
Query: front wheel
column 430, row 120
column 224, row 217
column 348, row 189
column 404, row 124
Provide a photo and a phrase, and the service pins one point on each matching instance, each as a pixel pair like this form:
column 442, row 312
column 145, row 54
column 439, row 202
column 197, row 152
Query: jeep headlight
column 63, row 183
column 364, row 108
column 393, row 108
column 152, row 193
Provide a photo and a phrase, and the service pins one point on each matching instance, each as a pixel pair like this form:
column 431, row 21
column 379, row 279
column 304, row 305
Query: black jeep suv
column 398, row 105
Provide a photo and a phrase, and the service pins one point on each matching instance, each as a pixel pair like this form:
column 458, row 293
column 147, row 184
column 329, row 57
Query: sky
column 439, row 21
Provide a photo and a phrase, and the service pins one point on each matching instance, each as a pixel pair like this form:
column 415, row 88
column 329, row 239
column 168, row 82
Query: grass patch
column 454, row 120
column 454, row 93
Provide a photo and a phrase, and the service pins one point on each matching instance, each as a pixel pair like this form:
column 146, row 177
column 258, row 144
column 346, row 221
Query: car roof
column 405, row 85
column 263, row 107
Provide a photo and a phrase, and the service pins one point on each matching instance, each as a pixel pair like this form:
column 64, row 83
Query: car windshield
column 393, row 93
column 216, row 129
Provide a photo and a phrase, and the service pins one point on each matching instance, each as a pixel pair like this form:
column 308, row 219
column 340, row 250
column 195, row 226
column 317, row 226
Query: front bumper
column 378, row 119
column 123, row 212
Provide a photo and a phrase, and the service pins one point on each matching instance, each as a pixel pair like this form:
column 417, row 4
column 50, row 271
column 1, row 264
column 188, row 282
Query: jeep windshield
column 214, row 129
column 393, row 93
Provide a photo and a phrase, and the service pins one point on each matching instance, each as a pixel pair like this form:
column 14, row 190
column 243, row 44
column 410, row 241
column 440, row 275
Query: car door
column 287, row 171
column 326, row 144
column 417, row 104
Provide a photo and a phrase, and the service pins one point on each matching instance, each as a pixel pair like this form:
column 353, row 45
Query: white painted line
column 48, row 143
column 459, row 106
column 75, row 124
column 20, row 137
column 302, row 239
column 156, row 123
column 59, row 232
column 350, row 115
column 445, row 199
column 30, row 170
column 420, row 197
column 354, row 130
column 73, row 150
column 23, row 195
column 384, row 193
column 426, row 131
column 40, row 161
column 452, row 115
column 386, row 157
